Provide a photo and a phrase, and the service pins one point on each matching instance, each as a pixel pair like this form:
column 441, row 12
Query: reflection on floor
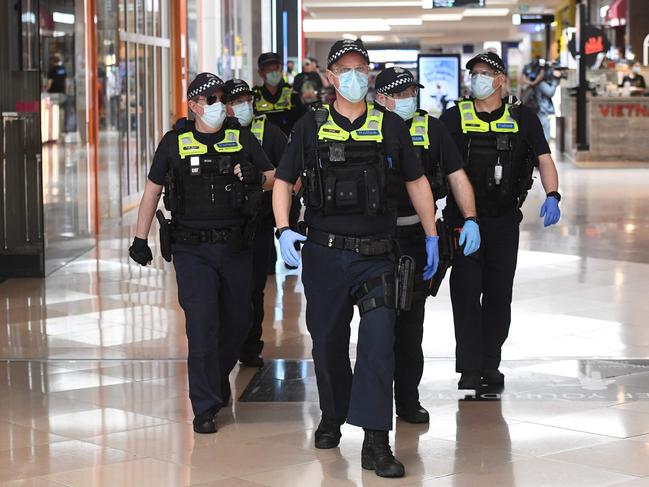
column 93, row 386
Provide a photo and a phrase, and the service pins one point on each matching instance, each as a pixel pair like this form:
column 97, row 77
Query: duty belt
column 363, row 246
column 196, row 236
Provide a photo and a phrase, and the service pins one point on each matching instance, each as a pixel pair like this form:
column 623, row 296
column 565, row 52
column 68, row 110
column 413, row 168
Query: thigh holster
column 387, row 299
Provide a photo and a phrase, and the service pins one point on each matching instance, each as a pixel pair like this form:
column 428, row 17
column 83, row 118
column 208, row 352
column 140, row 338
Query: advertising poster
column 440, row 74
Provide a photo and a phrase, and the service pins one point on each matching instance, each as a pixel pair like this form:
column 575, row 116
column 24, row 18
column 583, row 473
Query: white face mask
column 244, row 113
column 273, row 78
column 213, row 115
column 405, row 107
column 482, row 86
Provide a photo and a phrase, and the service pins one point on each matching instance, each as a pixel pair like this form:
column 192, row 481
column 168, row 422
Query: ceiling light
column 486, row 12
column 362, row 4
column 441, row 17
column 344, row 25
column 372, row 38
column 404, row 21
column 349, row 36
column 62, row 18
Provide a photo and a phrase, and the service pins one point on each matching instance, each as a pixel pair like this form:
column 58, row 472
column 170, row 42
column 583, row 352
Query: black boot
column 205, row 423
column 377, row 455
column 328, row 434
column 493, row 377
column 415, row 413
column 470, row 380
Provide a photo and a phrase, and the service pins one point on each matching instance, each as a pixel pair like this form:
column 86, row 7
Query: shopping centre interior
column 93, row 370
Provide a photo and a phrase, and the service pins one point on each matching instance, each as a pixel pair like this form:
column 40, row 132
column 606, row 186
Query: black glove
column 140, row 251
column 250, row 174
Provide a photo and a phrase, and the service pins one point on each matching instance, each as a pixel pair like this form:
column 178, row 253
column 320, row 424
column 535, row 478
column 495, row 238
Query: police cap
column 268, row 58
column 394, row 80
column 490, row 58
column 340, row 48
column 235, row 88
column 204, row 84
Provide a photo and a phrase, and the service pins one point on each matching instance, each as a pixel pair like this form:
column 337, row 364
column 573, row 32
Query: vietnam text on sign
column 624, row 109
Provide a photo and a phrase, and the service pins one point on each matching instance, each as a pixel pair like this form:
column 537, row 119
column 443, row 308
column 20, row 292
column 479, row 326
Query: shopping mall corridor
column 93, row 386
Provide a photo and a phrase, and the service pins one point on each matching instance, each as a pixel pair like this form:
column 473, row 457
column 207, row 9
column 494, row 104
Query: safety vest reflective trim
column 257, row 128
column 371, row 131
column 284, row 101
column 189, row 146
column 230, row 142
column 471, row 123
column 419, row 131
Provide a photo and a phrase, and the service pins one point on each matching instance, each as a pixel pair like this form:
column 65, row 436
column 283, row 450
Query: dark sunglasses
column 211, row 100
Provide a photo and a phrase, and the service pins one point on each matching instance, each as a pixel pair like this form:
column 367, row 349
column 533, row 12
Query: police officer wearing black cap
column 212, row 174
column 343, row 152
column 396, row 91
column 502, row 141
column 275, row 98
column 239, row 100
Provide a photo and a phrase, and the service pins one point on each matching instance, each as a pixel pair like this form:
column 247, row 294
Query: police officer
column 212, row 175
column 501, row 141
column 275, row 98
column 239, row 102
column 396, row 91
column 282, row 107
column 342, row 152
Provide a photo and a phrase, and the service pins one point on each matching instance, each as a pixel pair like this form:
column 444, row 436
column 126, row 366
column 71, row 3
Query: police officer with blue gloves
column 239, row 101
column 212, row 174
column 343, row 153
column 276, row 98
column 502, row 142
column 396, row 91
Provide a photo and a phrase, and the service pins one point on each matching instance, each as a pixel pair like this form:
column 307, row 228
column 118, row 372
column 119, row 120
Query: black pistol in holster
column 165, row 235
column 404, row 283
column 446, row 251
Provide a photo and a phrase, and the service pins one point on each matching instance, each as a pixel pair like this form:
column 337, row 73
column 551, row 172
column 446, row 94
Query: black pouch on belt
column 405, row 282
column 165, row 235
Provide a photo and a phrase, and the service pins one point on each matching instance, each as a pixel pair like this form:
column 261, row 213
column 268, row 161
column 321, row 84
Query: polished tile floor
column 93, row 386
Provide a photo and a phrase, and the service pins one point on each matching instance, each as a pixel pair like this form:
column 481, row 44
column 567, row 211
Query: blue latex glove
column 287, row 246
column 470, row 237
column 432, row 257
column 550, row 210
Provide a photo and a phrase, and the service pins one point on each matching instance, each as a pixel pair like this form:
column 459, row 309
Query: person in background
column 635, row 80
column 56, row 76
column 544, row 91
column 289, row 76
column 239, row 100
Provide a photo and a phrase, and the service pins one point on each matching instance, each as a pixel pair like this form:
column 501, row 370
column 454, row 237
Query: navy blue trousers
column 409, row 330
column 214, row 290
column 330, row 278
column 261, row 249
column 481, row 294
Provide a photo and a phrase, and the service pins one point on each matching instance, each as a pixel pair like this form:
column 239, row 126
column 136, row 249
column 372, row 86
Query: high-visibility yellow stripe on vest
column 471, row 122
column 189, row 146
column 257, row 128
column 369, row 132
column 283, row 102
column 419, row 131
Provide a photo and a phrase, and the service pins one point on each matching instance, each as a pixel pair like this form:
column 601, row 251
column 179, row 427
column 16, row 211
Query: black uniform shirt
column 530, row 132
column 284, row 119
column 167, row 151
column 396, row 145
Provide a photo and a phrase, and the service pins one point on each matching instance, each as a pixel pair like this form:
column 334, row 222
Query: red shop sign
column 624, row 109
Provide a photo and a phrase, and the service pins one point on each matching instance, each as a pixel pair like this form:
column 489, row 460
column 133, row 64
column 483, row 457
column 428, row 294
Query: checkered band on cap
column 498, row 66
column 208, row 84
column 240, row 88
column 402, row 80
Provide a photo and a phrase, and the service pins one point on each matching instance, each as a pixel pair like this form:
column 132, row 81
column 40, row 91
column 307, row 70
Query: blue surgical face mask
column 353, row 86
column 244, row 113
column 213, row 115
column 273, row 78
column 482, row 86
column 405, row 107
